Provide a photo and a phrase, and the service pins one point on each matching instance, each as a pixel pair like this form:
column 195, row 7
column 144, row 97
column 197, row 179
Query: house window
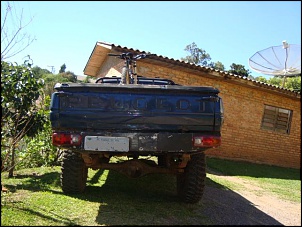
column 276, row 119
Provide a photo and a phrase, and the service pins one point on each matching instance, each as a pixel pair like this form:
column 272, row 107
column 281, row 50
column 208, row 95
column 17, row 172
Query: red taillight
column 60, row 139
column 206, row 141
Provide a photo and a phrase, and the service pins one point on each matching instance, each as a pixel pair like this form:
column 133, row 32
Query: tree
column 39, row 150
column 51, row 79
column 62, row 69
column 240, row 70
column 291, row 83
column 219, row 66
column 39, row 72
column 294, row 83
column 13, row 41
column 70, row 76
column 20, row 91
column 276, row 81
column 197, row 55
column 261, row 79
column 88, row 79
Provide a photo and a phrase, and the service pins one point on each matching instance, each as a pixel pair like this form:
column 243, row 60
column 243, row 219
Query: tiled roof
column 190, row 67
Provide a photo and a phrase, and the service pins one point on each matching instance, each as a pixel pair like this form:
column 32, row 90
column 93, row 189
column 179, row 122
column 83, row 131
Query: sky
column 66, row 32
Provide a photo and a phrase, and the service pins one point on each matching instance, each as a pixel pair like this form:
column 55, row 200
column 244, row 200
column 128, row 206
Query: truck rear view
column 169, row 124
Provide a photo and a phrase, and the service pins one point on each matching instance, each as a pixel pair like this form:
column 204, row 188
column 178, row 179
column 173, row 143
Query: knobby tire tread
column 191, row 183
column 73, row 173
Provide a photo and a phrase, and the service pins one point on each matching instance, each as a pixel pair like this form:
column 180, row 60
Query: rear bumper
column 142, row 143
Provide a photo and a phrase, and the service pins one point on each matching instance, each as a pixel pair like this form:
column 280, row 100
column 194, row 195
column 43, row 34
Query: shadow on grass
column 33, row 182
column 150, row 200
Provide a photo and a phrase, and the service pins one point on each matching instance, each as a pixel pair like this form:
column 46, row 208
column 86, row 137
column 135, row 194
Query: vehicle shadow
column 152, row 200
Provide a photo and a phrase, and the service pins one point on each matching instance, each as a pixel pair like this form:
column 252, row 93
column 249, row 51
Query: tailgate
column 136, row 108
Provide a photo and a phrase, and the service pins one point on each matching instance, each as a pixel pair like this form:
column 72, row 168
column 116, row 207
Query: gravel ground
column 250, row 206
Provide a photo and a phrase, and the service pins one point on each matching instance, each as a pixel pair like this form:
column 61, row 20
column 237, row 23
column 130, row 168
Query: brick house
column 262, row 123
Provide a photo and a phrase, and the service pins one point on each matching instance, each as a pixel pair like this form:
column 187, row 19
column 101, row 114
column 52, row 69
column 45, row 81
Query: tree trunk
column 12, row 167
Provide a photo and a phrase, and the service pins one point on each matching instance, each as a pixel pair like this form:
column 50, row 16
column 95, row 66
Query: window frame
column 276, row 119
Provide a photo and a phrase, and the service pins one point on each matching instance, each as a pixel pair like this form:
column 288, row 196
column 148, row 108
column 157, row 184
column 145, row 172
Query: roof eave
column 97, row 58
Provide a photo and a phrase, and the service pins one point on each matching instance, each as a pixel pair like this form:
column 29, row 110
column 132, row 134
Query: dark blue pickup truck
column 155, row 118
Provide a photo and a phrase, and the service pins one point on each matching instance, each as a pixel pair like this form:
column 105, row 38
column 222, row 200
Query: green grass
column 110, row 199
column 35, row 196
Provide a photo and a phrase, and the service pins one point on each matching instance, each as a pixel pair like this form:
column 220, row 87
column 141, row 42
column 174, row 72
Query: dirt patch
column 285, row 212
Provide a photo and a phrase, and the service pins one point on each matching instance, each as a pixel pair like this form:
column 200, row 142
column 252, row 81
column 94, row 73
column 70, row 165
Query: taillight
column 61, row 139
column 206, row 141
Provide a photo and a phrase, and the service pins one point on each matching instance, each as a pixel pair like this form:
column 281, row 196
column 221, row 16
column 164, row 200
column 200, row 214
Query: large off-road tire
column 191, row 183
column 74, row 173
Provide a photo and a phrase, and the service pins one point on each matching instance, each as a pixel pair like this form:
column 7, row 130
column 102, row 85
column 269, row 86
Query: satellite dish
column 283, row 61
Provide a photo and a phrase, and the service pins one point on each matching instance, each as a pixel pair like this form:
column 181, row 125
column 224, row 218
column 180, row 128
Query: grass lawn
column 35, row 196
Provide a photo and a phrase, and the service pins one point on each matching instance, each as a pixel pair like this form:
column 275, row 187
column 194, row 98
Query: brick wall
column 242, row 137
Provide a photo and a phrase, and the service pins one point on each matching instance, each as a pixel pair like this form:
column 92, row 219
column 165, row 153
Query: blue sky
column 230, row 31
